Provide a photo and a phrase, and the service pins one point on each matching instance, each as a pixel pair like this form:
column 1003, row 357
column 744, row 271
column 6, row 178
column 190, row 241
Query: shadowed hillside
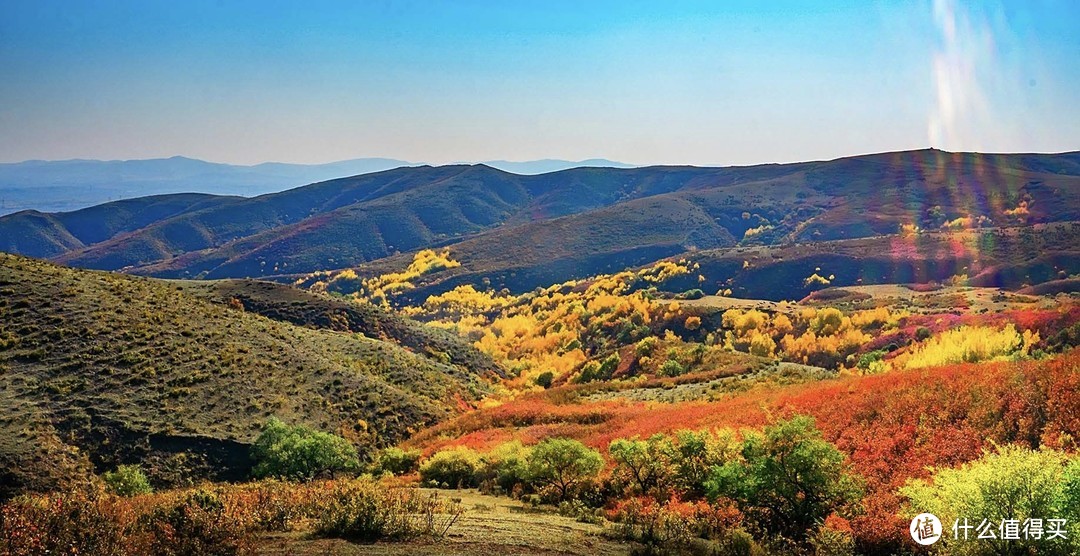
column 1010, row 258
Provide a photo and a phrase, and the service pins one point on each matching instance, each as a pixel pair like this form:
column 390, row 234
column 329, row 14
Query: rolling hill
column 99, row 369
column 66, row 185
column 558, row 225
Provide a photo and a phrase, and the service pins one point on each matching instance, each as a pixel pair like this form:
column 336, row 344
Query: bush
column 1011, row 483
column 127, row 480
column 833, row 538
column 643, row 466
column 545, row 379
column 645, row 346
column 197, row 524
column 671, row 367
column 507, row 466
column 362, row 510
column 760, row 480
column 580, row 511
column 593, row 371
column 63, row 523
column 270, row 505
column 453, row 468
column 868, row 359
column 299, row 453
column 674, row 524
column 563, row 464
column 695, row 454
column 827, row 321
column 397, row 461
column 970, row 344
column 221, row 520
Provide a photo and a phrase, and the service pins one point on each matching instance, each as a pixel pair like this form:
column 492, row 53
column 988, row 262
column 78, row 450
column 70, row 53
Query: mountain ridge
column 581, row 216
column 66, row 185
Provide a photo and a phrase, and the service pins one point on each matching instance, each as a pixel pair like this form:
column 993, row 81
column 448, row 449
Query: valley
column 606, row 358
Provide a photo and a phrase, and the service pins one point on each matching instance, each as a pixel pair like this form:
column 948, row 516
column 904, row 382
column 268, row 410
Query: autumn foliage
column 216, row 520
column 891, row 426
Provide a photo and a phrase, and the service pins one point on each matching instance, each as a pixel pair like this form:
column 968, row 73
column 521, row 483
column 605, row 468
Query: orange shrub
column 891, row 426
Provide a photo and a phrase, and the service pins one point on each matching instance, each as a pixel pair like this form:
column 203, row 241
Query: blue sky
column 643, row 82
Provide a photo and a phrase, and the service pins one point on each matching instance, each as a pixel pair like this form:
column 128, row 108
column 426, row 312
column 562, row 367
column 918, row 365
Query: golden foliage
column 379, row 288
column 968, row 344
column 756, row 231
column 556, row 329
column 816, row 280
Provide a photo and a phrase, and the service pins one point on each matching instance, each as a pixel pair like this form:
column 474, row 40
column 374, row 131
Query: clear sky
column 712, row 82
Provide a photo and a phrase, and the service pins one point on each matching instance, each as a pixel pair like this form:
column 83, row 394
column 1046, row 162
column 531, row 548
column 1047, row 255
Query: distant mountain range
column 520, row 231
column 53, row 186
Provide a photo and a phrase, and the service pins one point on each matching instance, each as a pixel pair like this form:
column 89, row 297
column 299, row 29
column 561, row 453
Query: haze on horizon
column 685, row 82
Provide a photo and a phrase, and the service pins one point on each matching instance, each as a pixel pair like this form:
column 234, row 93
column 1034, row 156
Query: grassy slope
column 130, row 368
column 300, row 307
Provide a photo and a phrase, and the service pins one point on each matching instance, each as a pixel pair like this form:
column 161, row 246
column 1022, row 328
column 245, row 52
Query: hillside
column 1012, row 258
column 41, row 235
column 99, row 369
column 67, row 185
column 582, row 220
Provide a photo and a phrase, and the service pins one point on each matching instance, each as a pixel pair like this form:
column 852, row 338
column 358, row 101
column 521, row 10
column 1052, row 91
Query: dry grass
column 491, row 526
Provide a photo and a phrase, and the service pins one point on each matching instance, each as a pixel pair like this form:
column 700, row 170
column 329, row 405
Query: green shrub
column 672, row 367
column 695, row 454
column 507, row 466
column 643, row 466
column 127, row 480
column 760, row 479
column 397, row 461
column 645, row 346
column 563, row 464
column 299, row 453
column 869, row 358
column 1010, row 483
column 580, row 511
column 545, row 379
column 453, row 468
